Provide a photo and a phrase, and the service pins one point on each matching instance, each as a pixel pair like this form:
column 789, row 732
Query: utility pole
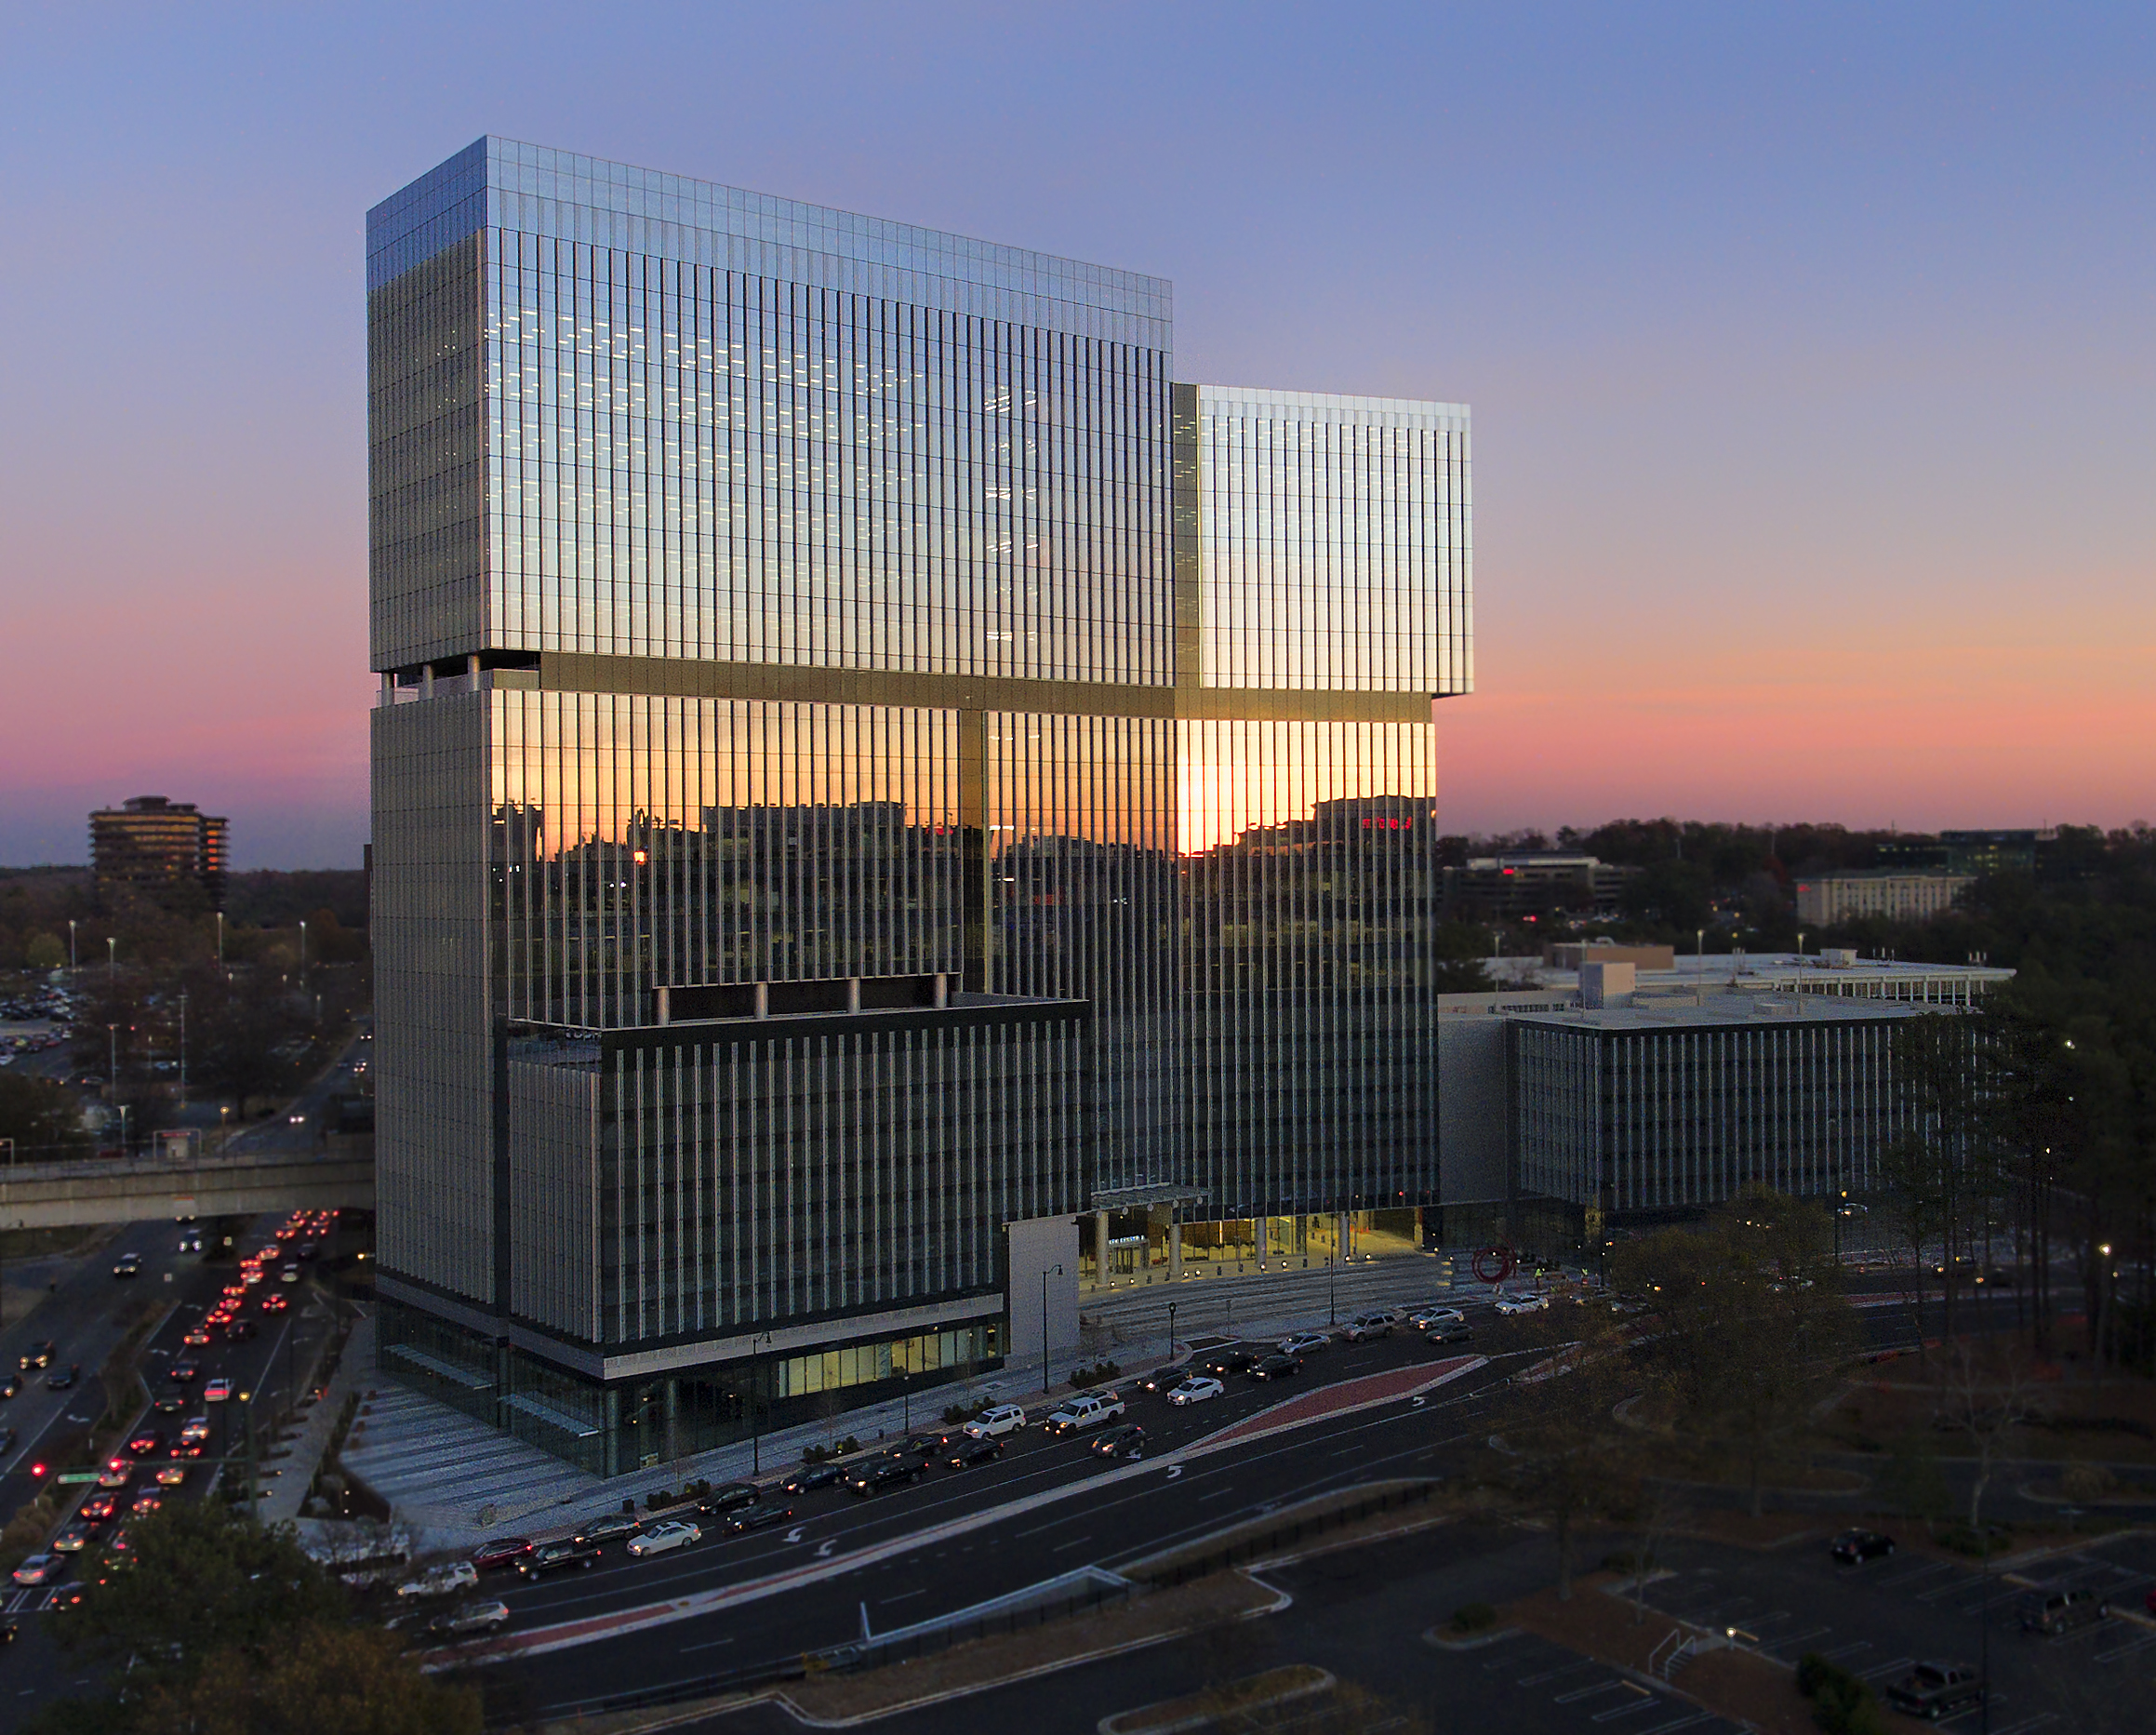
column 183, row 1048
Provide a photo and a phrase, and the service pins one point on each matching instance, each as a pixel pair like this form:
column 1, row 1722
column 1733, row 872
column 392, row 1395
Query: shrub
column 1473, row 1617
column 2079, row 1481
column 696, row 1489
column 1622, row 1560
column 657, row 1498
column 1841, row 1703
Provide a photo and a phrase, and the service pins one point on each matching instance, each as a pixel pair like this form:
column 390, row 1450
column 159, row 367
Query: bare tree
column 1984, row 1393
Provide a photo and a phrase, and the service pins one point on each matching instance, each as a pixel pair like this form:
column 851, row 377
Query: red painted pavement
column 1328, row 1400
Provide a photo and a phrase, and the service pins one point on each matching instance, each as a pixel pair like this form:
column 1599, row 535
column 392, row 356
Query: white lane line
column 1076, row 1542
column 1578, row 1693
column 710, row 1643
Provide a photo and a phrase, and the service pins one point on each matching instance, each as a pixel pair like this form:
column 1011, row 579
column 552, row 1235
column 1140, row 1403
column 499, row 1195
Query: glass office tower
column 866, row 770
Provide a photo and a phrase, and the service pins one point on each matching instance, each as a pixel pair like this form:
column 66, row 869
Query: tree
column 43, row 1119
column 1752, row 1328
column 224, row 1627
column 1571, row 1459
column 45, row 952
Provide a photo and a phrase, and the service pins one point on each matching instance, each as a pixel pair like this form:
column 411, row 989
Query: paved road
column 32, row 1671
column 298, row 1128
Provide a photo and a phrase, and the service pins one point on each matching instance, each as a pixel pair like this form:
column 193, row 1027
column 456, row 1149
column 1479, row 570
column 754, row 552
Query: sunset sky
column 1810, row 351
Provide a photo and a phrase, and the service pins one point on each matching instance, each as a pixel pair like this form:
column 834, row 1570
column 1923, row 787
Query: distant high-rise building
column 155, row 845
column 881, row 796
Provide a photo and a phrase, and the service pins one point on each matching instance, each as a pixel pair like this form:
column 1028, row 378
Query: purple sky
column 1810, row 352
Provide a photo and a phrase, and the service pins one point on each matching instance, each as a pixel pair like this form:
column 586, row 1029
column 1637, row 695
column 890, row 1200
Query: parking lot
column 1550, row 1689
column 1879, row 1619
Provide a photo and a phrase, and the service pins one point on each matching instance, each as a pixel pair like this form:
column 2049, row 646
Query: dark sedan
column 1228, row 1362
column 1166, row 1379
column 558, row 1557
column 728, row 1497
column 614, row 1526
column 1276, row 1367
column 973, row 1453
column 504, row 1551
column 760, row 1518
column 810, row 1477
column 1853, row 1547
column 1127, row 1441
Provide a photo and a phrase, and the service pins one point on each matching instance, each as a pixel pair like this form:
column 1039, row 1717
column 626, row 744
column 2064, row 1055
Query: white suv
column 997, row 1419
column 1089, row 1411
column 1364, row 1326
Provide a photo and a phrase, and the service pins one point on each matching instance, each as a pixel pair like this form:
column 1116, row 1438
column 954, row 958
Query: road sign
column 76, row 1476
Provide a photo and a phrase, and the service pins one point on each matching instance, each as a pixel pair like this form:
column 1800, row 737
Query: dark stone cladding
column 684, row 677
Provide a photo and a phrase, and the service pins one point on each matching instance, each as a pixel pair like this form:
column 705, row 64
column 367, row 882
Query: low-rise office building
column 155, row 845
column 1827, row 900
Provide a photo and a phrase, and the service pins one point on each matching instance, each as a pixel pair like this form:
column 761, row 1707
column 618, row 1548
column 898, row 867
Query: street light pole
column 183, row 1048
column 72, row 963
column 112, row 1064
column 1171, row 1331
column 112, row 963
column 1056, row 1271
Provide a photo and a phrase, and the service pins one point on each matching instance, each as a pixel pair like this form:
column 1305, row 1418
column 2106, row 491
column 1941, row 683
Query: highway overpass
column 55, row 1195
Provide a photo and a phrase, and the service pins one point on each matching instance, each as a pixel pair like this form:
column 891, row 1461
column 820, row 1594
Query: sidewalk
column 284, row 1495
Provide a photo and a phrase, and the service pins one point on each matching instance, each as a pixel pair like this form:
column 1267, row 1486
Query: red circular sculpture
column 1493, row 1264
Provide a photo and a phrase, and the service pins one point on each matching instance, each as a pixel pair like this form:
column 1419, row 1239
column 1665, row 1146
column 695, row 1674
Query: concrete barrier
column 55, row 1195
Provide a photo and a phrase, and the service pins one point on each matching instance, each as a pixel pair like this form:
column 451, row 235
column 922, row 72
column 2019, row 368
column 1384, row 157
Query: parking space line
column 2032, row 1722
column 1909, row 1577
column 1551, row 1675
column 1841, row 1651
column 1879, row 1669
column 2127, row 1650
column 1784, row 1640
column 1938, row 1592
column 1587, row 1692
column 1693, row 1721
column 1645, row 1701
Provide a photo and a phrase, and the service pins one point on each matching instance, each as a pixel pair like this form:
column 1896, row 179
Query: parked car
column 1364, row 1326
column 503, row 1551
column 2052, row 1610
column 664, row 1537
column 1197, row 1390
column 1089, row 1410
column 810, row 1477
column 442, row 1580
column 615, row 1526
column 974, row 1452
column 1127, row 1441
column 1937, row 1690
column 886, row 1471
column 728, row 1497
column 489, row 1616
column 768, row 1516
column 996, row 1419
column 1276, row 1367
column 1304, row 1343
column 1167, row 1379
column 1853, row 1547
column 558, row 1557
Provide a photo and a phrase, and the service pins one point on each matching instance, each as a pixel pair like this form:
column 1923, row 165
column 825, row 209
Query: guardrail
column 1183, row 1568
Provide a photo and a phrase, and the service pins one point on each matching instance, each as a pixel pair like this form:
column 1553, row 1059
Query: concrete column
column 426, row 680
column 853, row 993
column 672, row 1445
column 389, row 687
column 943, row 989
column 1263, row 1224
column 1175, row 1250
column 665, row 1005
column 1100, row 1247
column 763, row 999
column 471, row 667
column 611, row 1443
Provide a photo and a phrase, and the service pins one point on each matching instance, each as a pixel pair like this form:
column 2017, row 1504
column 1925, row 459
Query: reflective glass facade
column 787, row 619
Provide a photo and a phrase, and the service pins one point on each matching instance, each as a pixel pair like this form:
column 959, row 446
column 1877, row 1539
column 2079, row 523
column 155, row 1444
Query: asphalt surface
column 85, row 1317
column 299, row 1129
column 1106, row 1526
